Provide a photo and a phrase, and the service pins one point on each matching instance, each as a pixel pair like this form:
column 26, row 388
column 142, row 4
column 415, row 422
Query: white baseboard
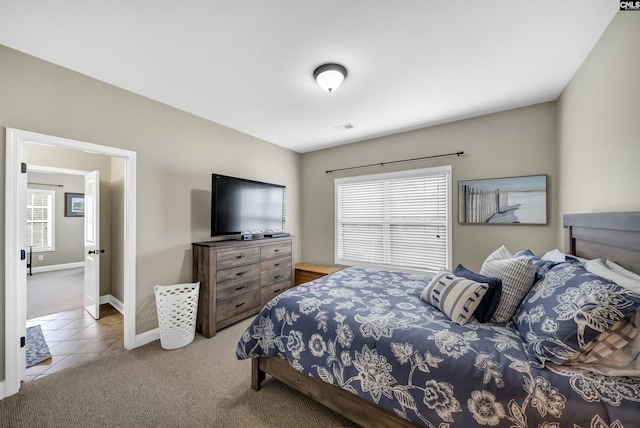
column 117, row 304
column 141, row 339
column 3, row 390
column 51, row 268
column 147, row 337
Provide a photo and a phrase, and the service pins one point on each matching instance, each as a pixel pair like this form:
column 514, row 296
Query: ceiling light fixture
column 330, row 76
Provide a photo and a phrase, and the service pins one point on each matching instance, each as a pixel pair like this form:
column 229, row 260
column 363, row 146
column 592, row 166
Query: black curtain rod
column 329, row 171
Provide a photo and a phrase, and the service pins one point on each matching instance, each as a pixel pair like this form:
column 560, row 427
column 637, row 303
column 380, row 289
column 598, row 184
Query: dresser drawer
column 233, row 288
column 275, row 264
column 236, row 305
column 271, row 291
column 226, row 259
column 276, row 275
column 237, row 274
column 275, row 250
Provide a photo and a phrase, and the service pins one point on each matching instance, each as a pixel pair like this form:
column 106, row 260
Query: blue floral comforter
column 367, row 331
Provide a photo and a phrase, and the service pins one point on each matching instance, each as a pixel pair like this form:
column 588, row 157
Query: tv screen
column 239, row 205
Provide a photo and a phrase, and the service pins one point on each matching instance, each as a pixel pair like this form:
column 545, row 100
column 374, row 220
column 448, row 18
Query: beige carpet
column 55, row 291
column 200, row 385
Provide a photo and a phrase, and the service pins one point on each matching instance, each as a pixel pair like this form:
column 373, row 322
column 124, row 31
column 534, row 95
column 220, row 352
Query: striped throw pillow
column 517, row 275
column 454, row 296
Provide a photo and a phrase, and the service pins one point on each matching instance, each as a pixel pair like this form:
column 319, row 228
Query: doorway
column 60, row 333
column 17, row 142
column 56, row 232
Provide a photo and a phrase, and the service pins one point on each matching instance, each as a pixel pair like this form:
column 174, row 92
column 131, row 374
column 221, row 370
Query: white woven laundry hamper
column 177, row 307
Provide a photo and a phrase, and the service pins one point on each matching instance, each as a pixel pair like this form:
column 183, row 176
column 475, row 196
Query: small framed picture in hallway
column 514, row 200
column 74, row 204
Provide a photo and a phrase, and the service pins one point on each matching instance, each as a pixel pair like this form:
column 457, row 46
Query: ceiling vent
column 344, row 127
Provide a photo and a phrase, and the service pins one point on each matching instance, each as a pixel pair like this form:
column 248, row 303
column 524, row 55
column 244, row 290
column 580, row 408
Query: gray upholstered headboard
column 614, row 236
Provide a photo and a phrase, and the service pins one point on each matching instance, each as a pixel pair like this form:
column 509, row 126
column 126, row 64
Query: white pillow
column 560, row 257
column 617, row 268
column 555, row 256
column 501, row 253
column 454, row 296
column 517, row 275
column 598, row 267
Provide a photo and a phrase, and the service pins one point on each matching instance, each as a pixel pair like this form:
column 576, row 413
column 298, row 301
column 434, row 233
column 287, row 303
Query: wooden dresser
column 237, row 278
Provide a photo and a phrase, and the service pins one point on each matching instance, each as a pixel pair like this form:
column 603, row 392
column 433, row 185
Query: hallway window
column 40, row 219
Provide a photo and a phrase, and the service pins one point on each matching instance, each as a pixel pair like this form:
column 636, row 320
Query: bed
column 365, row 343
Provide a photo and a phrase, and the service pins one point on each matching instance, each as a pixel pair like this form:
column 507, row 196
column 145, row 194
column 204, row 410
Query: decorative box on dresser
column 237, row 278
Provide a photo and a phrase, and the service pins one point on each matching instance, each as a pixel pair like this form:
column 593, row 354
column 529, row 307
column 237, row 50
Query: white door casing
column 17, row 142
column 15, row 261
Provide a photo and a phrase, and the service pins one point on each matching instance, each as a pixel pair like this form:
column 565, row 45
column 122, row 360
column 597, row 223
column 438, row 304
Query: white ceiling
column 248, row 64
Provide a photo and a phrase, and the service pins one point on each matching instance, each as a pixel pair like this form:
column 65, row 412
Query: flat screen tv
column 245, row 206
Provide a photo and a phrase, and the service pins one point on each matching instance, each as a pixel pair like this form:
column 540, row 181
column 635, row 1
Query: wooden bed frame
column 613, row 236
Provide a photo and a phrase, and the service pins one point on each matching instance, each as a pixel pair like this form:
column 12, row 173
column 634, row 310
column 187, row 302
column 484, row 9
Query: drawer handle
column 239, row 304
column 276, row 264
column 240, row 273
column 276, row 250
column 239, row 257
column 240, row 288
column 276, row 291
column 276, row 277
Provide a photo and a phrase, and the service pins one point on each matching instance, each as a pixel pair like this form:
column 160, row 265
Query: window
column 40, row 219
column 398, row 220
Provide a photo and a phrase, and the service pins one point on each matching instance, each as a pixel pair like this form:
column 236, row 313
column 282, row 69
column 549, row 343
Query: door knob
column 96, row 251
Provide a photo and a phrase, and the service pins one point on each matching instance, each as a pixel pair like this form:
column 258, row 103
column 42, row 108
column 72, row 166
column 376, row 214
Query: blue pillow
column 491, row 299
column 569, row 308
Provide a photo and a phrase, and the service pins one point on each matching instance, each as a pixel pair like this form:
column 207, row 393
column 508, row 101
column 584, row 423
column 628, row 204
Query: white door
column 92, row 248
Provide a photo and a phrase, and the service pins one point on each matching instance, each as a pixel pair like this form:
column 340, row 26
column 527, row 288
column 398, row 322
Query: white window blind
column 396, row 220
column 40, row 219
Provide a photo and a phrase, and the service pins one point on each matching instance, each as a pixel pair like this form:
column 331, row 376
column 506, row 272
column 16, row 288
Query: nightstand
column 306, row 272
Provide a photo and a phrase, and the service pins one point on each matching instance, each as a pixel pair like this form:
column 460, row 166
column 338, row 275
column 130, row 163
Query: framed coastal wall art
column 74, row 204
column 513, row 200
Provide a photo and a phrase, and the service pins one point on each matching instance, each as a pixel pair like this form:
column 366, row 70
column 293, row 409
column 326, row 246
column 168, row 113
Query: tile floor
column 74, row 337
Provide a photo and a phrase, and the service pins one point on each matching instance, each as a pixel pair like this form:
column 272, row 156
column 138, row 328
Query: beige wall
column 176, row 154
column 513, row 143
column 599, row 125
